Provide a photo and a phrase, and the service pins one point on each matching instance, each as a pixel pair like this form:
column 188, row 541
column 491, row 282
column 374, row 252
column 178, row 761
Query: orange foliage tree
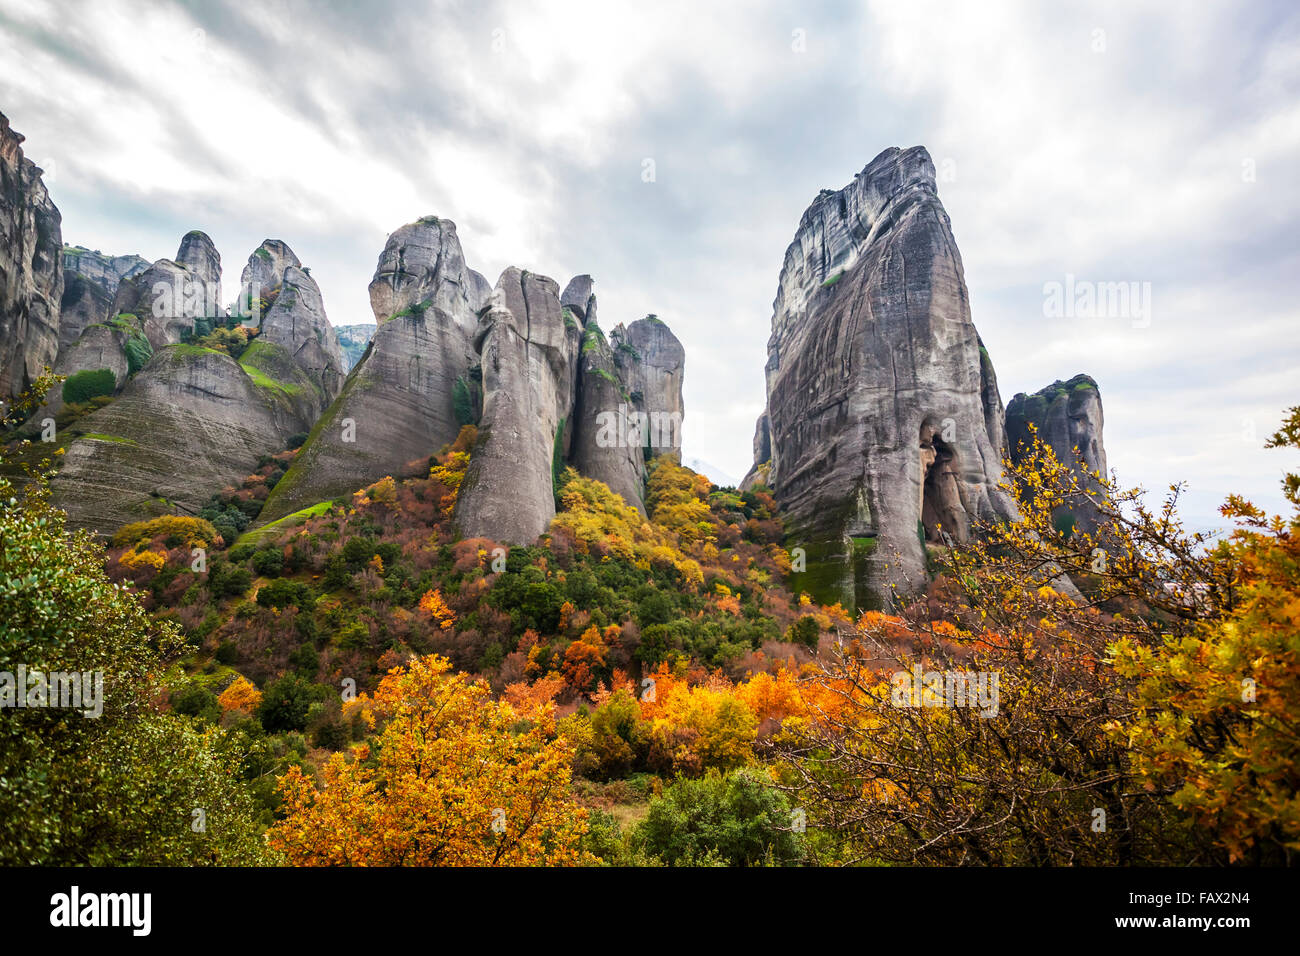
column 452, row 778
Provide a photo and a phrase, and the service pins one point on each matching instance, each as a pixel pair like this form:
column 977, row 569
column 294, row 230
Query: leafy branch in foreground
column 1122, row 729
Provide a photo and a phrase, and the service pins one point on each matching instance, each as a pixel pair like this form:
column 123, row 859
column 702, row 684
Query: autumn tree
column 1217, row 707
column 451, row 778
column 903, row 760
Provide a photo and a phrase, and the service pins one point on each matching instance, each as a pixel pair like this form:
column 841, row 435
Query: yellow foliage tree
column 242, row 695
column 433, row 604
column 454, row 778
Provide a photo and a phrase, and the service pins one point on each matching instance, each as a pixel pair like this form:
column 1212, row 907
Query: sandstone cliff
column 558, row 393
column 398, row 404
column 295, row 318
column 882, row 410
column 170, row 295
column 529, row 359
column 193, row 419
column 31, row 269
column 1068, row 418
column 193, row 422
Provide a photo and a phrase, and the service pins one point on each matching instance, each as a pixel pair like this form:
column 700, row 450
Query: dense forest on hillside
column 358, row 684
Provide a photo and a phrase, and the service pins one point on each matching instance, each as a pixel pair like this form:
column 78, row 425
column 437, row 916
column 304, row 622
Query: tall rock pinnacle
column 883, row 417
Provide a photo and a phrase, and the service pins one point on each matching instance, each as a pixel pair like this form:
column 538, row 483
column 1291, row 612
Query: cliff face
column 398, row 403
column 171, row 294
column 604, row 423
column 297, row 323
column 105, row 271
column 1068, row 418
column 525, row 363
column 558, row 394
column 193, row 420
column 91, row 280
column 529, row 357
column 883, row 416
column 31, row 269
column 192, row 423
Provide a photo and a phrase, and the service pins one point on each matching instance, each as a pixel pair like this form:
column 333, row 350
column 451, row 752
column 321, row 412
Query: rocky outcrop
column 285, row 378
column 83, row 303
column 607, row 443
column 398, row 404
column 423, row 267
column 884, row 420
column 199, row 256
column 193, row 422
column 652, row 364
column 31, row 269
column 265, row 270
column 86, row 340
column 105, row 271
column 90, row 284
column 1068, row 418
column 759, row 472
column 532, row 372
column 529, row 359
column 297, row 323
column 170, row 295
column 579, row 296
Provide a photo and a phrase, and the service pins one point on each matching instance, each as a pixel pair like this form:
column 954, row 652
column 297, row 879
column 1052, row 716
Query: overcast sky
column 1111, row 142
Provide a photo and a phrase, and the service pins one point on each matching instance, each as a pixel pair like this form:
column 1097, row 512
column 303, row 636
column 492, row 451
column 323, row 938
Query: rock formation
column 529, row 359
column 295, row 318
column 193, row 419
column 90, row 283
column 170, row 295
column 84, row 303
column 525, row 363
column 606, row 438
column 557, row 393
column 653, row 363
column 102, row 270
column 31, row 269
column 883, row 414
column 1068, row 419
column 398, row 404
column 264, row 272
column 191, row 424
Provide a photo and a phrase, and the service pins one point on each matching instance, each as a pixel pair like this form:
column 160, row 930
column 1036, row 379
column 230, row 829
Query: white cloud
column 330, row 127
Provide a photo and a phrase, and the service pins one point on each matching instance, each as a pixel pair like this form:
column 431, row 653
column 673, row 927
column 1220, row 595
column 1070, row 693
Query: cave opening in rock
column 942, row 511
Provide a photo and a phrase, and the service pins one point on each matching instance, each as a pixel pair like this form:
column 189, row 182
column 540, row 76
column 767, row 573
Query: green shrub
column 83, row 386
column 195, row 700
column 269, row 562
column 241, row 552
column 285, row 703
column 283, row 593
column 804, row 631
column 739, row 818
column 228, row 580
